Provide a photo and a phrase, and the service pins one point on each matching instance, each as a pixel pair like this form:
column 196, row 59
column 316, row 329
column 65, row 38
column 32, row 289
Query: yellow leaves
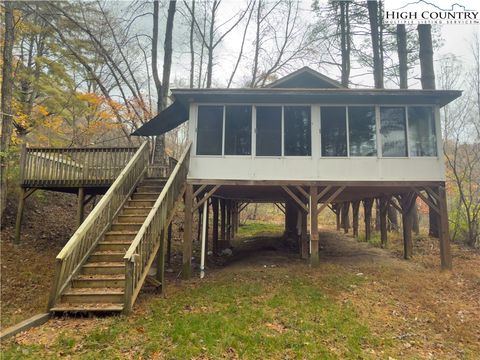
column 91, row 98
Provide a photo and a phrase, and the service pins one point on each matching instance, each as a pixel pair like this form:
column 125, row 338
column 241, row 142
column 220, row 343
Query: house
column 304, row 143
column 307, row 143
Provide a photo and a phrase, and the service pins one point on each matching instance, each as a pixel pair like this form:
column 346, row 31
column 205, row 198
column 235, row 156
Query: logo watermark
column 431, row 12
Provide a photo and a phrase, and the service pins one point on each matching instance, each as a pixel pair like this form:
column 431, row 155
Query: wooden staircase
column 104, row 265
column 100, row 284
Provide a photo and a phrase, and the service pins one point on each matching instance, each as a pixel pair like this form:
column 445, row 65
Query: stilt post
column 367, row 205
column 314, row 237
column 383, row 220
column 80, row 205
column 187, row 233
column 215, row 225
column 445, row 252
column 355, row 211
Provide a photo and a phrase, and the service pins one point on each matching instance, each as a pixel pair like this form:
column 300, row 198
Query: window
column 422, row 139
column 238, row 130
column 334, row 131
column 393, row 131
column 298, row 138
column 269, row 131
column 362, row 131
column 210, row 130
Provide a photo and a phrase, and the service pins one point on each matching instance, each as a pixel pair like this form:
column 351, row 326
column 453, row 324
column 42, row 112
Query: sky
column 455, row 38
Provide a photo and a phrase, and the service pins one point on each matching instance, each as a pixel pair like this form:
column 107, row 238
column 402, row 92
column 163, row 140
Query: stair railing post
column 128, row 286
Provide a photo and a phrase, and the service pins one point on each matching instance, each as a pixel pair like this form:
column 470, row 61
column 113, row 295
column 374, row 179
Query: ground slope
column 361, row 302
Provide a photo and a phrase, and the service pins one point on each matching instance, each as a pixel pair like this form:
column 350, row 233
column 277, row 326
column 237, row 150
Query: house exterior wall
column 315, row 167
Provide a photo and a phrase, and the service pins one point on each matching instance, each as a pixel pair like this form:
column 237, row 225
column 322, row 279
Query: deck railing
column 84, row 240
column 73, row 166
column 162, row 171
column 141, row 254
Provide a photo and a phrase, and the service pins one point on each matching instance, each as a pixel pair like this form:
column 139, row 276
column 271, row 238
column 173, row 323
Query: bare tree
column 7, row 91
column 376, row 34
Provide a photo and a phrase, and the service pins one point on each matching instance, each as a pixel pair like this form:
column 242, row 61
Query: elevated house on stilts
column 303, row 142
column 308, row 144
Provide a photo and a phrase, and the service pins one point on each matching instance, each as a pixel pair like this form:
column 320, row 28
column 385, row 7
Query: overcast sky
column 456, row 40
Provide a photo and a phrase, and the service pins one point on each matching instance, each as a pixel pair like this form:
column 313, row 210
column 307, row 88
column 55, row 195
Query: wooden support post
column 314, row 237
column 169, row 244
column 187, row 233
column 367, row 205
column 215, row 225
column 229, row 221
column 445, row 253
column 383, row 220
column 407, row 202
column 304, row 236
column 18, row 224
column 355, row 211
column 80, row 205
column 160, row 275
column 207, row 224
column 223, row 223
column 345, row 216
column 336, row 209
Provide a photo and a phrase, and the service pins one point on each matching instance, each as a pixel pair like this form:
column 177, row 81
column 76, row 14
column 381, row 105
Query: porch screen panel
column 422, row 138
column 209, row 130
column 393, row 131
column 238, row 130
column 362, row 130
column 269, row 131
column 298, row 131
column 334, row 131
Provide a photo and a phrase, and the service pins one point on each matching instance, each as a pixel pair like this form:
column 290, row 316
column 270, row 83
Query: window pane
column 238, row 130
column 298, row 139
column 269, row 131
column 421, row 131
column 393, row 131
column 209, row 130
column 362, row 131
column 334, row 132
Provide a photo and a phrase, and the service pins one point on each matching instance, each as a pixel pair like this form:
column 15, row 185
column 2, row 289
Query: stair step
column 103, row 268
column 131, row 218
column 128, row 210
column 150, row 188
column 99, row 281
column 86, row 307
column 141, row 203
column 114, row 246
column 126, row 226
column 119, row 236
column 145, row 196
column 107, row 256
column 93, row 295
column 153, row 182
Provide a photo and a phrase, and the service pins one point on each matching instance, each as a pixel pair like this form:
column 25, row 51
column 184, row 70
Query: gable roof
column 305, row 78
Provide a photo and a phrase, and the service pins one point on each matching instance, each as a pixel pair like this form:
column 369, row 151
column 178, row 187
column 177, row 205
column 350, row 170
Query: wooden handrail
column 81, row 244
column 141, row 253
column 75, row 167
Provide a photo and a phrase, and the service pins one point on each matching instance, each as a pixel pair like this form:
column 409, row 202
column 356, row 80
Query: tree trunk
column 375, row 35
column 345, row 41
column 402, row 56
column 192, row 50
column 426, row 56
column 167, row 57
column 210, row 46
column 428, row 82
column 6, row 102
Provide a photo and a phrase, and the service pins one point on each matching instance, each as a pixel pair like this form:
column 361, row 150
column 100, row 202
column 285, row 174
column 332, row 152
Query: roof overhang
column 177, row 113
column 317, row 96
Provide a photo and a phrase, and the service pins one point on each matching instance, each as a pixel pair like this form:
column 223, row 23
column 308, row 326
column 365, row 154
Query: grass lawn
column 361, row 302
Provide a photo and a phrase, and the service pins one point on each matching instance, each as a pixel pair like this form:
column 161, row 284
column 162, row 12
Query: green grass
column 255, row 315
column 259, row 228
